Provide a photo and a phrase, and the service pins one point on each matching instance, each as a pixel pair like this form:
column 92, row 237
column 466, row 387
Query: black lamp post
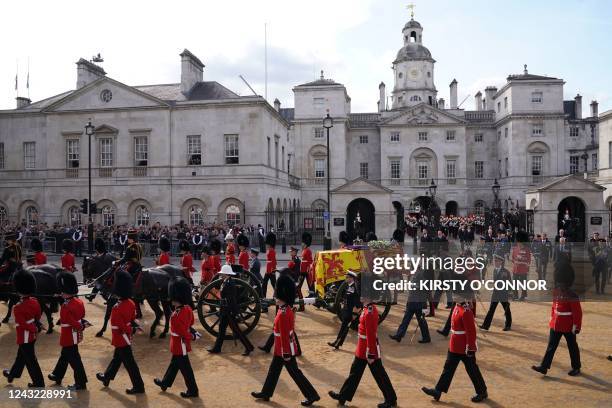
column 328, row 123
column 496, row 203
column 89, row 131
column 433, row 206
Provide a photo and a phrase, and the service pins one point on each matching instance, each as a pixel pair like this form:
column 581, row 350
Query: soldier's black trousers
column 489, row 317
column 70, row 356
column 124, row 355
column 270, row 343
column 182, row 364
column 296, row 374
column 378, row 372
column 271, row 277
column 553, row 342
column 26, row 357
column 227, row 320
column 541, row 268
column 452, row 361
column 344, row 329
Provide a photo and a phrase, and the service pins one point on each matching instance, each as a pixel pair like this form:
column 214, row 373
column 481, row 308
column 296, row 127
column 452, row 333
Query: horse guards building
column 197, row 152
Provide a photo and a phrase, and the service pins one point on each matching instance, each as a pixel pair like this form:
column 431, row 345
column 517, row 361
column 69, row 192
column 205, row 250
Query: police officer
column 501, row 274
column 350, row 309
column 415, row 304
column 285, row 346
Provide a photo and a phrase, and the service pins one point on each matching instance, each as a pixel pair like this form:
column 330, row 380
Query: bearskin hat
column 206, row 250
column 370, row 236
column 36, row 245
column 183, row 245
column 522, row 236
column 564, row 273
column 179, row 290
column 100, row 245
column 215, row 246
column 67, row 283
column 67, row 245
column 344, row 237
column 306, row 238
column 398, row 235
column 24, row 282
column 132, row 234
column 285, row 289
column 242, row 240
column 123, row 285
column 11, row 236
column 131, row 252
column 271, row 239
column 164, row 244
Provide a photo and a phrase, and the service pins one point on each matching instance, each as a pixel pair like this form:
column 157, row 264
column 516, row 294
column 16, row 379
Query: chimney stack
column 594, row 109
column 441, row 103
column 478, row 100
column 23, row 102
column 87, row 72
column 453, row 94
column 277, row 105
column 382, row 105
column 490, row 92
column 192, row 71
column 578, row 106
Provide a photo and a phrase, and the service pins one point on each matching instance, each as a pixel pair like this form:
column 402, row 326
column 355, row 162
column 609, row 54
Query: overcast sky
column 477, row 42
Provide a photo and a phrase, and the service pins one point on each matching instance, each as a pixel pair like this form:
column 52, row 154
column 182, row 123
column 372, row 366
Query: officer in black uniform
column 350, row 309
column 104, row 258
column 500, row 273
column 11, row 256
column 415, row 304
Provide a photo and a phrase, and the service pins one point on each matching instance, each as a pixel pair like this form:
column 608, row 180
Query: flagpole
column 28, row 79
column 17, row 78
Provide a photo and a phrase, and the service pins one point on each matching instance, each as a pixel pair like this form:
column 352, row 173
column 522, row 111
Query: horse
column 47, row 292
column 150, row 285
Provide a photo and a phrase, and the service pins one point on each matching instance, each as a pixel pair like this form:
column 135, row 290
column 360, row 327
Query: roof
column 529, row 77
column 412, row 24
column 321, row 82
column 558, row 180
column 187, row 53
column 45, row 102
column 287, row 113
column 363, row 120
column 412, row 51
column 206, row 90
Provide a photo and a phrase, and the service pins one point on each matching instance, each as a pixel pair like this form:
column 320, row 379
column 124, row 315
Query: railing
column 105, row 172
column 72, row 173
column 140, row 171
column 357, row 120
column 294, row 182
column 479, row 116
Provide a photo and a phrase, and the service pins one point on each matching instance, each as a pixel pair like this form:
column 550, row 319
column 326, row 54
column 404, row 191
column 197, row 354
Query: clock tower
column 413, row 70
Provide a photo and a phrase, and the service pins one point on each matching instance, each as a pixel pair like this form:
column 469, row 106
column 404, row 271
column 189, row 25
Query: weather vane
column 411, row 7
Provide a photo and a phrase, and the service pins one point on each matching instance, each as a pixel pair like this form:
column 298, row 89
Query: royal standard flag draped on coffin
column 331, row 266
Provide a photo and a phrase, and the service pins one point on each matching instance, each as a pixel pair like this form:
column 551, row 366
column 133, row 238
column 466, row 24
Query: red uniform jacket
column 521, row 259
column 216, row 261
column 71, row 314
column 270, row 261
column 180, row 335
column 187, row 264
column 306, row 261
column 463, row 330
column 243, row 260
column 566, row 313
column 68, row 262
column 284, row 338
column 26, row 313
column 367, row 343
column 40, row 258
column 207, row 270
column 164, row 259
column 122, row 315
column 230, row 253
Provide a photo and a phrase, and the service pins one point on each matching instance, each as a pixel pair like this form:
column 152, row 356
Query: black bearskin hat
column 183, row 245
column 67, row 283
column 306, row 238
column 100, row 245
column 36, row 245
column 522, row 236
column 179, row 290
column 285, row 289
column 344, row 237
column 24, row 282
column 242, row 240
column 123, row 285
column 271, row 239
column 215, row 246
column 206, row 250
column 67, row 245
column 132, row 234
column 398, row 235
column 564, row 273
column 164, row 244
column 370, row 236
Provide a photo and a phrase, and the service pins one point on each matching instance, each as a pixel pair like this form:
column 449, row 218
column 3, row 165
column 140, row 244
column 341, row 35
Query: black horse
column 47, row 292
column 150, row 285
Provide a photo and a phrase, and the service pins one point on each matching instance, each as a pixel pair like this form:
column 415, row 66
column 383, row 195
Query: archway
column 360, row 218
column 451, row 208
column 421, row 204
column 571, row 218
column 399, row 215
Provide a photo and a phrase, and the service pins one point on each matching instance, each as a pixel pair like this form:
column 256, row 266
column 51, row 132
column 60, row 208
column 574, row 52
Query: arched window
column 142, row 216
column 74, row 216
column 31, row 215
column 415, row 98
column 319, row 208
column 196, row 215
column 108, row 216
column 3, row 216
column 479, row 207
column 232, row 215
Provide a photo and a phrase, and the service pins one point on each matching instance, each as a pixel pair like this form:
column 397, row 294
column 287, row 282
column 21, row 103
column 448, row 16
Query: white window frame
column 422, row 170
column 537, row 97
column 479, row 169
column 574, row 167
column 74, row 216
column 478, row 138
column 106, row 147
column 395, row 170
column 594, row 161
column 423, row 136
column 233, row 215
column 142, row 216
column 394, row 137
column 194, row 150
column 72, row 153
column 29, row 155
column 196, row 215
column 318, row 133
column 364, row 171
column 451, row 135
column 574, row 131
column 451, row 169
column 108, row 216
column 232, row 149
column 537, row 165
column 537, row 130
column 31, row 215
column 363, row 139
column 320, row 168
column 141, row 151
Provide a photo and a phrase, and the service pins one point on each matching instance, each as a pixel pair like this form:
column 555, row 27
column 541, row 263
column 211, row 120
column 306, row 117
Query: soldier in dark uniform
column 105, row 259
column 11, row 256
column 417, row 301
column 350, row 309
column 133, row 255
column 228, row 312
column 499, row 295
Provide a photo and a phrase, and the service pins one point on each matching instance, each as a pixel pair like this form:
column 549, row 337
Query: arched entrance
column 451, row 208
column 421, row 204
column 571, row 218
column 360, row 218
column 399, row 214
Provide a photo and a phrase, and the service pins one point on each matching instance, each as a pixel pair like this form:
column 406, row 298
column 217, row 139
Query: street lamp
column 432, row 190
column 89, row 131
column 433, row 206
column 328, row 123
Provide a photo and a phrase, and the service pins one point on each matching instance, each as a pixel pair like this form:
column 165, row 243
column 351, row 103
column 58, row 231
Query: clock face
column 414, row 74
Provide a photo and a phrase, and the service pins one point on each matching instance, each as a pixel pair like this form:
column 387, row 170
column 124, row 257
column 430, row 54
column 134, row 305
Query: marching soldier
column 164, row 255
column 68, row 257
column 228, row 312
column 230, row 249
column 243, row 246
column 306, row 262
column 123, row 325
column 40, row 258
column 367, row 354
column 27, row 314
column 207, row 267
column 417, row 301
column 77, row 237
column 181, row 336
column 285, row 346
column 521, row 260
column 197, row 241
column 11, row 256
column 462, row 347
column 215, row 250
column 186, row 260
column 344, row 239
column 255, row 266
column 72, row 314
column 294, row 264
column 499, row 295
column 270, row 275
column 350, row 309
column 565, row 321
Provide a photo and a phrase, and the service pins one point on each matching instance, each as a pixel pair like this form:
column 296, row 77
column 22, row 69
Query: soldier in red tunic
column 207, row 267
column 181, row 336
column 305, row 266
column 40, row 258
column 243, row 257
column 230, row 249
column 72, row 313
column 123, row 325
column 186, row 260
column 462, row 347
column 164, row 255
column 285, row 346
column 27, row 315
column 521, row 260
column 565, row 320
column 68, row 257
column 215, row 250
column 270, row 275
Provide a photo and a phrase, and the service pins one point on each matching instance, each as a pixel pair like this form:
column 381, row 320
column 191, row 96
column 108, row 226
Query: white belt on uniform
column 27, row 322
column 114, row 327
column 563, row 313
column 363, row 336
column 174, row 334
column 457, row 331
column 277, row 334
column 65, row 325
